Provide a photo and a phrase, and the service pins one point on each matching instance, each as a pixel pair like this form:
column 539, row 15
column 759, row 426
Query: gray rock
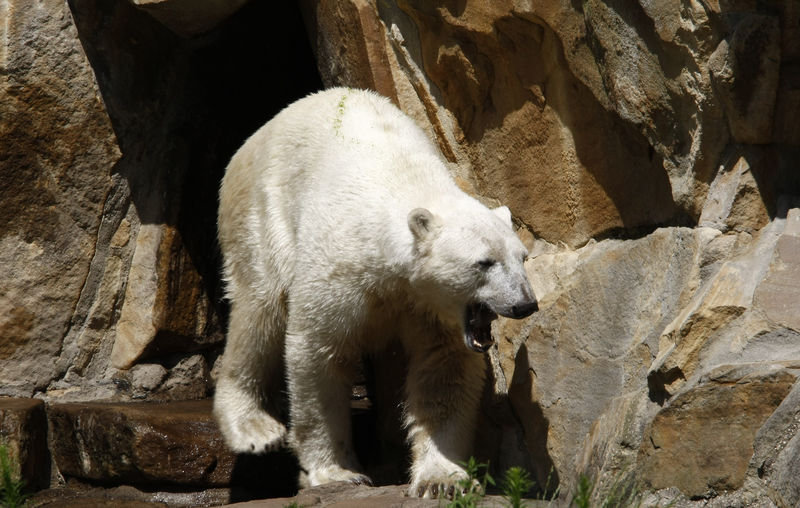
column 188, row 379
column 602, row 309
column 776, row 456
column 147, row 376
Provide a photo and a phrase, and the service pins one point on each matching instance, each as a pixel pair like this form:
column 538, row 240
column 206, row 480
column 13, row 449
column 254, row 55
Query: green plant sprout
column 582, row 498
column 621, row 494
column 11, row 485
column 337, row 121
column 544, row 494
column 472, row 489
column 516, row 483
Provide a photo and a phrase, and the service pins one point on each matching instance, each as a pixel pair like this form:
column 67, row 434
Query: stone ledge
column 347, row 495
column 144, row 443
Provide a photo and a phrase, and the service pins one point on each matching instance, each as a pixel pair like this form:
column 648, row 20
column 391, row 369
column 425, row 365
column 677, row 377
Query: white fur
column 341, row 229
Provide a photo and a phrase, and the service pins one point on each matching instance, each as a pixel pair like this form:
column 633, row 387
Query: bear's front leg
column 245, row 404
column 320, row 383
column 443, row 388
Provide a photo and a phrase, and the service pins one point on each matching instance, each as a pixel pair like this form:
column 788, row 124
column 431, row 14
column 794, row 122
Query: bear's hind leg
column 251, row 370
column 319, row 388
column 443, row 391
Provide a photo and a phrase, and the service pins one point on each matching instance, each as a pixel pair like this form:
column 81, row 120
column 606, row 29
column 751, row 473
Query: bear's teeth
column 478, row 331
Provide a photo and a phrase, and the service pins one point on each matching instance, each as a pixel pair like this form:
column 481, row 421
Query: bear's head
column 469, row 267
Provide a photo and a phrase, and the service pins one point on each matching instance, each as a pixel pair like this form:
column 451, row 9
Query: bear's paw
column 257, row 433
column 440, row 481
column 330, row 474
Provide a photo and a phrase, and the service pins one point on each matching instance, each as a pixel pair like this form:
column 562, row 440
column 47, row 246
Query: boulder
column 640, row 344
column 58, row 149
column 145, row 443
column 601, row 310
column 747, row 305
column 703, row 440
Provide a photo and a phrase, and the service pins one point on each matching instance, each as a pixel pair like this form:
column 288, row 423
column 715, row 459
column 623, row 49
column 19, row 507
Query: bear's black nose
column 524, row 309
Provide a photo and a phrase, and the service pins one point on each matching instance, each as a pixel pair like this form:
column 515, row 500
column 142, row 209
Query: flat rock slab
column 79, row 496
column 347, row 495
column 140, row 443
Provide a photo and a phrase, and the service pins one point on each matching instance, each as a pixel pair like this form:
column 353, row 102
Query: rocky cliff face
column 114, row 133
column 649, row 152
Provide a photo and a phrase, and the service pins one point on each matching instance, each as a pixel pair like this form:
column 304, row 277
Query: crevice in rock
column 657, row 381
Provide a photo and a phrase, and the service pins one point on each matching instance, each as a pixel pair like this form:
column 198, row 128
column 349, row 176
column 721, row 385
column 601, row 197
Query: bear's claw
column 438, row 483
column 437, row 490
column 330, row 474
column 361, row 480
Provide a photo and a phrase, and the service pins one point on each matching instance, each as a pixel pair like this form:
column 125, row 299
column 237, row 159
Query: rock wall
column 115, row 131
column 649, row 154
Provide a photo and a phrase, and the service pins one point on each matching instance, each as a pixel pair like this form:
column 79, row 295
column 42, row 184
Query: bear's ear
column 422, row 223
column 504, row 213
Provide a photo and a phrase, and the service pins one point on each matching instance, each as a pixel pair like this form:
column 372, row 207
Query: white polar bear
column 341, row 229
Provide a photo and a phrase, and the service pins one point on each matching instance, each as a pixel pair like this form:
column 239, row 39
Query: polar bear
column 340, row 230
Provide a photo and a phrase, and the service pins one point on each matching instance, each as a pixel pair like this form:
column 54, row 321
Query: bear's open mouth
column 478, row 327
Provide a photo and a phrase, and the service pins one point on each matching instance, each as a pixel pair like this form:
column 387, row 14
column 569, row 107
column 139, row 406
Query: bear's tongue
column 478, row 327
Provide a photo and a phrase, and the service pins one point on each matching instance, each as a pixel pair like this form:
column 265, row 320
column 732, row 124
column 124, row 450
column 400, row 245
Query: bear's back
column 336, row 174
column 344, row 147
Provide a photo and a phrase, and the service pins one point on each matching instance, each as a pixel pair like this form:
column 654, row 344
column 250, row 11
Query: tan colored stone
column 703, row 440
column 58, row 151
column 683, row 339
column 713, row 309
column 778, row 295
column 734, row 199
column 136, row 327
column 166, row 308
column 86, row 346
column 530, row 140
column 591, row 341
column 777, row 451
column 350, row 46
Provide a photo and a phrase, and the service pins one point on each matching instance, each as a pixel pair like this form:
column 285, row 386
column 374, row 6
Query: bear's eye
column 485, row 264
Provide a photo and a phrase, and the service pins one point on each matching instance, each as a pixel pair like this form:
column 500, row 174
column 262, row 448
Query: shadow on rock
column 534, row 423
column 264, row 476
